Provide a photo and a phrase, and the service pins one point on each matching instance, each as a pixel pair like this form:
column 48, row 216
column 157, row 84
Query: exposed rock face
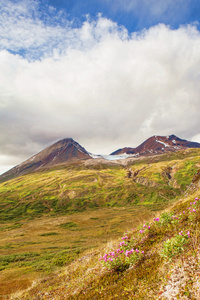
column 63, row 151
column 157, row 145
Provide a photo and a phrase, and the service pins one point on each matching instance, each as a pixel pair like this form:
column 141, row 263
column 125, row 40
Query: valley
column 53, row 218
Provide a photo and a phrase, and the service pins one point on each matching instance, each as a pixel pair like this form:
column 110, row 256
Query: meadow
column 54, row 219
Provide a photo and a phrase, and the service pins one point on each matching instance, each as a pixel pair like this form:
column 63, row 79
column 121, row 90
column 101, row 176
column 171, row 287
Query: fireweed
column 128, row 252
column 124, row 256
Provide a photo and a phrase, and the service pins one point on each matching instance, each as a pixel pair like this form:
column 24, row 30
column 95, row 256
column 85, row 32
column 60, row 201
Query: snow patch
column 113, row 157
column 165, row 144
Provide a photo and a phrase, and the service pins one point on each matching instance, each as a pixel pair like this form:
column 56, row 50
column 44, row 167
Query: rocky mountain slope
column 61, row 152
column 157, row 145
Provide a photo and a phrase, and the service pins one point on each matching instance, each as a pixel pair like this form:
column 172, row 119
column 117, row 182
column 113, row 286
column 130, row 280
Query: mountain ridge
column 67, row 151
column 158, row 145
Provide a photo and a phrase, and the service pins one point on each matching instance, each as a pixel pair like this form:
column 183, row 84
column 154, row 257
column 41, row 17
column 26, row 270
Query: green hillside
column 73, row 213
column 76, row 187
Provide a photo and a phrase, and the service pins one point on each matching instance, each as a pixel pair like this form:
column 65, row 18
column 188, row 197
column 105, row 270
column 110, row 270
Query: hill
column 158, row 145
column 65, row 215
column 151, row 182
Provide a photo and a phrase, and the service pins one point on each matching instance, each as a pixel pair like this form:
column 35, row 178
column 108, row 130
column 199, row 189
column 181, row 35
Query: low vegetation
column 128, row 244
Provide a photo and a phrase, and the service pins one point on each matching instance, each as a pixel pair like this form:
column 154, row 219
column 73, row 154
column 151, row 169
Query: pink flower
column 157, row 219
column 149, row 227
column 188, row 234
column 137, row 251
column 181, row 233
column 142, row 252
column 194, row 210
column 183, row 212
column 141, row 231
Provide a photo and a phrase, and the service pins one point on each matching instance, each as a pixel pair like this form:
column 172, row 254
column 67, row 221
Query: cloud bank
column 95, row 83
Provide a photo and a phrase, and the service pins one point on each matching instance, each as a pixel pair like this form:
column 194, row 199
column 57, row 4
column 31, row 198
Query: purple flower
column 141, row 231
column 142, row 252
column 137, row 251
column 188, row 234
column 149, row 227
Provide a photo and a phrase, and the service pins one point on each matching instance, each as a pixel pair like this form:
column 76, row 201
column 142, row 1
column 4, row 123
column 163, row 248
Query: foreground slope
column 63, row 151
column 159, row 259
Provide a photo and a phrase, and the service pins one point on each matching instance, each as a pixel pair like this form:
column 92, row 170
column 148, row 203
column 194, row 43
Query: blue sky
column 134, row 15
column 107, row 73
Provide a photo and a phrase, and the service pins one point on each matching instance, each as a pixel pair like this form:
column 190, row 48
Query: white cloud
column 100, row 86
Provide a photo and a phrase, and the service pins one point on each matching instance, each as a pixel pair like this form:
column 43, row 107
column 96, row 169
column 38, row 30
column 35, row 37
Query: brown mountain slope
column 157, row 145
column 66, row 150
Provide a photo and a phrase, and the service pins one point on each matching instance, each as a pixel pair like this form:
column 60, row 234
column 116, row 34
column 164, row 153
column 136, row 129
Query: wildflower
column 194, row 210
column 142, row 252
column 183, row 212
column 110, row 259
column 137, row 251
column 144, row 226
column 188, row 234
column 125, row 237
column 181, row 233
column 149, row 227
column 157, row 219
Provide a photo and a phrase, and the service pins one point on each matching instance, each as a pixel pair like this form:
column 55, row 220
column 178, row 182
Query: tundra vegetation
column 91, row 232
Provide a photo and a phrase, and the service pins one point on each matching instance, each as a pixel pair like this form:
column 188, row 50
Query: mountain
column 158, row 145
column 66, row 150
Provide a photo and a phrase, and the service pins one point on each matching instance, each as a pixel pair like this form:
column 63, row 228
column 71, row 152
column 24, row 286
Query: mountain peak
column 63, row 151
column 157, row 145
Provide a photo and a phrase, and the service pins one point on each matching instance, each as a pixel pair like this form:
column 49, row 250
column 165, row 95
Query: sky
column 109, row 74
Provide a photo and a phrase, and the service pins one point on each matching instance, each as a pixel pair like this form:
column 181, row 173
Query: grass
column 147, row 276
column 67, row 217
column 41, row 246
column 70, row 190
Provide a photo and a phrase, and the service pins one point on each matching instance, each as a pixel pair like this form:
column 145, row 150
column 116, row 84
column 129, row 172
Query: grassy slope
column 104, row 203
column 152, row 276
column 76, row 188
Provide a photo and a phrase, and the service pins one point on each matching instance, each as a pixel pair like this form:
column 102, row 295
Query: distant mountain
column 66, row 150
column 158, row 145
